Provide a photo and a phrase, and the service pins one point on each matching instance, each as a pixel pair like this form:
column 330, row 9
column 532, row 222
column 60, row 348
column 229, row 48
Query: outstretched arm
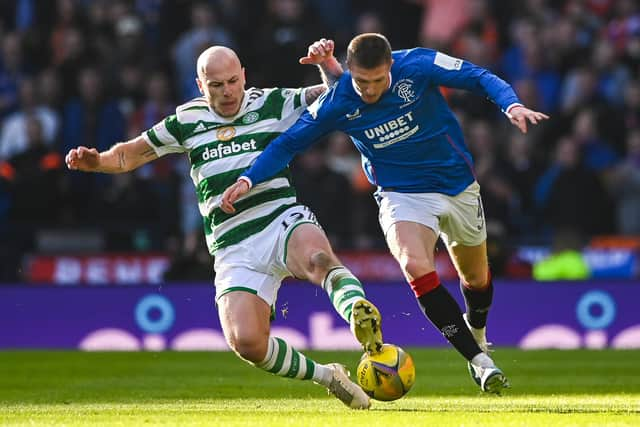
column 122, row 157
column 276, row 156
column 453, row 72
column 320, row 53
column 273, row 159
column 519, row 115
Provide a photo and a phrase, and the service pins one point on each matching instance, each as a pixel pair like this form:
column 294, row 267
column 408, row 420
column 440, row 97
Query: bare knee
column 251, row 347
column 414, row 267
column 319, row 264
column 475, row 279
column 245, row 322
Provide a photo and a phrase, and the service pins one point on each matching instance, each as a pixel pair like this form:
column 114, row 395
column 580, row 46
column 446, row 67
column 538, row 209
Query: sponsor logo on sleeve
column 447, row 62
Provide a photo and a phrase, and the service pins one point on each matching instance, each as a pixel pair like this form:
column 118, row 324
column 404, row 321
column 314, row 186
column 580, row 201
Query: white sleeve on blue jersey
column 444, row 70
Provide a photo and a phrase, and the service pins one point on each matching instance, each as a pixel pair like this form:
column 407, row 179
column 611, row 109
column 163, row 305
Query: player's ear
column 199, row 83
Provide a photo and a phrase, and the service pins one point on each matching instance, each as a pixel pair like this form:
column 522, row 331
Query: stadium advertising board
column 148, row 269
column 183, row 317
column 96, row 270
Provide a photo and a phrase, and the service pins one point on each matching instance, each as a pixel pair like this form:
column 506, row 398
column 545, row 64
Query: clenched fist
column 83, row 159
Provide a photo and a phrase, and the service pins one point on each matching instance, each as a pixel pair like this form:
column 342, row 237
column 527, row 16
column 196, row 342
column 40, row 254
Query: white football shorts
column 459, row 219
column 258, row 263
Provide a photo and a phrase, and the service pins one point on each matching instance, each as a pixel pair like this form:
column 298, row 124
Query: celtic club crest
column 250, row 117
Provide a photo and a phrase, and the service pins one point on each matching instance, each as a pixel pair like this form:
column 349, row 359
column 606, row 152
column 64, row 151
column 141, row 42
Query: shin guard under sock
column 444, row 312
column 478, row 302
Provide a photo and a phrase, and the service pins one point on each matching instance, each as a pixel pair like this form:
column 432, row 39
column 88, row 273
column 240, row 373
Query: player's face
column 370, row 83
column 223, row 89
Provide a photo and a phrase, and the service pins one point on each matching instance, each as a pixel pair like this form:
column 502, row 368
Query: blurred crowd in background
column 95, row 72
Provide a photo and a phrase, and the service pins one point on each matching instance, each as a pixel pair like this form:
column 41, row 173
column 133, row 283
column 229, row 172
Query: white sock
column 482, row 360
column 323, row 375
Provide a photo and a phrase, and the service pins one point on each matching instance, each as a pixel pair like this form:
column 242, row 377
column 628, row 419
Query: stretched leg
column 245, row 323
column 476, row 286
column 310, row 257
column 412, row 245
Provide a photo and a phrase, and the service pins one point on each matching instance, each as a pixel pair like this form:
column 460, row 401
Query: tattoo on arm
column 330, row 71
column 148, row 153
column 121, row 161
column 328, row 78
column 313, row 92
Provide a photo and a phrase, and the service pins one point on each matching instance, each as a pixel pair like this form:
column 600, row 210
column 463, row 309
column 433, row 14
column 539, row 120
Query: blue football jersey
column 409, row 139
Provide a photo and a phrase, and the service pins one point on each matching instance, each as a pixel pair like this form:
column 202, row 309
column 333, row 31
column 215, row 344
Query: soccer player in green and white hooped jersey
column 269, row 236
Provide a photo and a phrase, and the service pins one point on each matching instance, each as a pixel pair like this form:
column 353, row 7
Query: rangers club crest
column 404, row 89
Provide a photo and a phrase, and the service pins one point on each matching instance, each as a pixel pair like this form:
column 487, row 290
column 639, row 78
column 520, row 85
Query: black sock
column 444, row 312
column 478, row 303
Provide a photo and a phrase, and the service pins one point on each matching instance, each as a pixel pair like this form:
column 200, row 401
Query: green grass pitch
column 549, row 388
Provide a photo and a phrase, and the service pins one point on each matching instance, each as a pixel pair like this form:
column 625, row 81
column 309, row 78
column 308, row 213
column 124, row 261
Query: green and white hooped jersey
column 220, row 149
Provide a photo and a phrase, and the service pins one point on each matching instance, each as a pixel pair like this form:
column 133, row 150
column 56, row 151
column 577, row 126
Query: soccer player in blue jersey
column 413, row 151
